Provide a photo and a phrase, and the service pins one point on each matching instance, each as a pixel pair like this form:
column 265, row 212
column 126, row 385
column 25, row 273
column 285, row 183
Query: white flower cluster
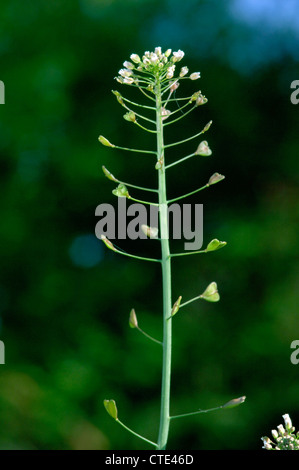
column 284, row 437
column 158, row 63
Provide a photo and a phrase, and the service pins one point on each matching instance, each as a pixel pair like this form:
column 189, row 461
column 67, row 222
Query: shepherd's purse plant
column 157, row 75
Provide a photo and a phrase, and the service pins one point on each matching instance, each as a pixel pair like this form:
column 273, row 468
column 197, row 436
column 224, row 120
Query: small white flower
column 135, row 58
column 287, row 421
column 184, row 71
column 158, row 51
column 281, row 430
column 177, row 56
column 274, row 433
column 167, row 53
column 170, row 71
column 154, row 58
column 128, row 65
column 128, row 80
column 125, row 72
column 195, row 75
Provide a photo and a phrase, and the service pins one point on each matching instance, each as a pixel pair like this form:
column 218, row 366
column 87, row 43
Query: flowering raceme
column 157, row 63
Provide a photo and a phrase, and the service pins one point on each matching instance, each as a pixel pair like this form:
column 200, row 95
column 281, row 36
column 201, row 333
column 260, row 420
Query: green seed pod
column 108, row 174
column 111, row 408
column 234, row 402
column 133, row 319
column 121, row 191
column 105, row 141
column 215, row 245
column 211, row 293
column 215, row 178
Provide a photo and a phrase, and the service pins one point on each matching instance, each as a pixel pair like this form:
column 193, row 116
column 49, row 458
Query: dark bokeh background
column 65, row 298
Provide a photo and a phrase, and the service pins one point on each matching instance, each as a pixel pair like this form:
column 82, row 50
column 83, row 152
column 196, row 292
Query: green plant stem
column 166, row 280
column 135, row 433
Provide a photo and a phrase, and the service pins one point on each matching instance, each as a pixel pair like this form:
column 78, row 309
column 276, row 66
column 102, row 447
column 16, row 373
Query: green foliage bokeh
column 65, row 299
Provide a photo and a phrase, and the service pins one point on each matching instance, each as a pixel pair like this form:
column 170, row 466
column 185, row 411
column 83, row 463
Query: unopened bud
column 121, row 191
column 174, row 86
column 159, row 164
column 195, row 75
column 211, row 293
column 108, row 174
column 207, row 126
column 111, row 409
column 108, row 243
column 215, row 178
column 234, row 402
column 150, row 232
column 215, row 245
column 135, row 58
column 105, row 141
column 167, row 53
column 118, row 97
column 133, row 319
column 184, row 71
column 130, row 116
column 176, row 306
column 203, row 149
column 165, row 113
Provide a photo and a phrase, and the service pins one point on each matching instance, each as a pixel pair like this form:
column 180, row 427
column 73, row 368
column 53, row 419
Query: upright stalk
column 166, row 278
column 155, row 74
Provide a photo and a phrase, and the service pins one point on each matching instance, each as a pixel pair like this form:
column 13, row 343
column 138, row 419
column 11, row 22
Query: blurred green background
column 65, row 298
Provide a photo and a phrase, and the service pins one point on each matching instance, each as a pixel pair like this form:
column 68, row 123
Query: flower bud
column 207, row 126
column 135, row 58
column 159, row 164
column 170, row 71
column 118, row 97
column 184, row 71
column 167, row 53
column 108, row 243
column 203, row 149
column 234, row 402
column 150, row 232
column 128, row 65
column 287, row 422
column 121, row 191
column 211, row 293
column 174, row 86
column 195, row 75
column 215, row 245
column 108, row 174
column 111, row 409
column 215, row 178
column 105, row 141
column 176, row 306
column 133, row 319
column 130, row 116
column 165, row 113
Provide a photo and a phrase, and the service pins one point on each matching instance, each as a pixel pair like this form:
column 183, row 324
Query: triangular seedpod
column 108, row 243
column 211, row 293
column 121, row 191
column 215, row 245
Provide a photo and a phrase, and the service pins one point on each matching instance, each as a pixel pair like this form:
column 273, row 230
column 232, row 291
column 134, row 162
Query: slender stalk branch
column 136, row 434
column 134, row 150
column 143, row 202
column 189, row 194
column 180, row 161
column 148, row 336
column 196, row 412
column 185, row 140
column 138, row 187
